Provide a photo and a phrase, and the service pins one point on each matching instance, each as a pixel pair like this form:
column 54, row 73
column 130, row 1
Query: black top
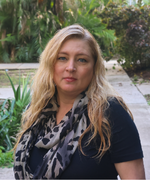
column 125, row 146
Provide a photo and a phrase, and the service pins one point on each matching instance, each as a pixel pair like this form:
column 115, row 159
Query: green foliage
column 137, row 39
column 147, row 96
column 6, row 123
column 10, row 113
column 25, row 97
column 131, row 25
column 6, row 159
column 83, row 13
column 117, row 16
column 25, row 28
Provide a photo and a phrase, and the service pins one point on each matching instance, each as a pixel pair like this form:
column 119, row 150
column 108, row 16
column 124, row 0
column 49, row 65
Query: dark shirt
column 125, row 146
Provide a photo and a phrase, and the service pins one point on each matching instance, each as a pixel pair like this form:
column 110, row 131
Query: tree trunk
column 140, row 3
column 12, row 56
column 40, row 1
column 59, row 10
column 3, row 37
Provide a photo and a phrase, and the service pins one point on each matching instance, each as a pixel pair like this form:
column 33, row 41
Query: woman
column 76, row 126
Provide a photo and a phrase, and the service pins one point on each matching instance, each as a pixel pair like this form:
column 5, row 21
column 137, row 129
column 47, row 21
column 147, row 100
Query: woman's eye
column 82, row 60
column 62, row 58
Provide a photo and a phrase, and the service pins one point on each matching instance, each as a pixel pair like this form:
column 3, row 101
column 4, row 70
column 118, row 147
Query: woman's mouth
column 70, row 79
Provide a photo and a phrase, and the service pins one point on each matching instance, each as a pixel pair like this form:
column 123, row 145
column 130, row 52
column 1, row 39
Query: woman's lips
column 70, row 79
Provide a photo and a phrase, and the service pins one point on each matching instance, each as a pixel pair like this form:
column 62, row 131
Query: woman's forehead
column 77, row 45
column 76, row 40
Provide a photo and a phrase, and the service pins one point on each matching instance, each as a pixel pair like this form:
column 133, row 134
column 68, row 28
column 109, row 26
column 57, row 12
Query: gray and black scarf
column 60, row 140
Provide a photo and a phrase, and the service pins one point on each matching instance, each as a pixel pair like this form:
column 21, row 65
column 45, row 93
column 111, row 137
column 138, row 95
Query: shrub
column 6, row 159
column 131, row 25
column 10, row 114
column 137, row 41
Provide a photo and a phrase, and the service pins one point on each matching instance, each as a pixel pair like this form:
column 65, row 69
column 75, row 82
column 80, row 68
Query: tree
column 25, row 27
column 59, row 10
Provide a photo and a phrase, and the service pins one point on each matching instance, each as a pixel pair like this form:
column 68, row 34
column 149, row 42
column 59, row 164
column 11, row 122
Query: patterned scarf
column 60, row 140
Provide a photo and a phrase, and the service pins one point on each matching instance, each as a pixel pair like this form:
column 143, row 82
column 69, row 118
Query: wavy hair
column 99, row 90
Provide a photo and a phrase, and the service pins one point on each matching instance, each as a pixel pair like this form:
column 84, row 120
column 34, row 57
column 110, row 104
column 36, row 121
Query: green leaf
column 12, row 85
column 11, row 39
column 12, row 106
column 18, row 92
column 8, row 142
column 27, row 98
column 5, row 116
column 25, row 87
column 4, row 104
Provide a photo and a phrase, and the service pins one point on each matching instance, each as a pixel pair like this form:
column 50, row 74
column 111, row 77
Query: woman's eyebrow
column 62, row 53
column 80, row 54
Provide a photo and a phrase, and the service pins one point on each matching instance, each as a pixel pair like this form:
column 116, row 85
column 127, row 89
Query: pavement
column 132, row 94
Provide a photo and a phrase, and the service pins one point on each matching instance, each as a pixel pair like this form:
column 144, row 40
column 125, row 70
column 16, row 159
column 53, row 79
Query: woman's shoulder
column 114, row 101
column 125, row 140
column 117, row 112
column 115, row 105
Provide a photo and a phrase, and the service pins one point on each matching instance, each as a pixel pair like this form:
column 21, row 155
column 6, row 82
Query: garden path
column 133, row 96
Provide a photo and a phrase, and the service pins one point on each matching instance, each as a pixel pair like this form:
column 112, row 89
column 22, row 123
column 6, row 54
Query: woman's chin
column 71, row 90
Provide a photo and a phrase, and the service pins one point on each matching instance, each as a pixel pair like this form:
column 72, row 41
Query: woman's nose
column 71, row 65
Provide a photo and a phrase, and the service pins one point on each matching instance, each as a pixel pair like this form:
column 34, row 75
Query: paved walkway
column 135, row 100
column 133, row 96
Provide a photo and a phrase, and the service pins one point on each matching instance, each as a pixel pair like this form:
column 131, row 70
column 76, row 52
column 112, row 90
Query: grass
column 14, row 74
column 138, row 80
column 147, row 97
column 6, row 159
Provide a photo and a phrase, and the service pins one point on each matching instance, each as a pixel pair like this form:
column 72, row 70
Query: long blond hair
column 98, row 93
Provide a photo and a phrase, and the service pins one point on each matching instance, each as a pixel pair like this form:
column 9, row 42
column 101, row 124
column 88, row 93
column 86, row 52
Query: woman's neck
column 65, row 99
column 65, row 104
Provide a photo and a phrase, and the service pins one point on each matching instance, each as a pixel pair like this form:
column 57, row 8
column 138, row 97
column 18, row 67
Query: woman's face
column 73, row 70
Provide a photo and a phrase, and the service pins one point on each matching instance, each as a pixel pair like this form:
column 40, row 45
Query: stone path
column 137, row 104
column 6, row 173
column 133, row 96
